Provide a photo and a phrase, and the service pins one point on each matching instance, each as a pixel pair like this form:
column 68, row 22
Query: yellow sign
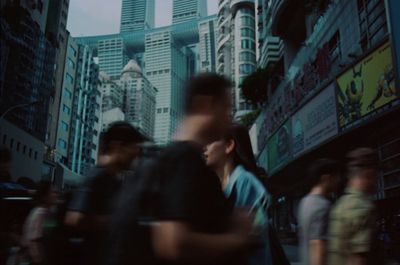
column 367, row 86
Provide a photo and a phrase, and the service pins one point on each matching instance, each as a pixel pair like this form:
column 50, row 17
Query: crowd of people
column 198, row 200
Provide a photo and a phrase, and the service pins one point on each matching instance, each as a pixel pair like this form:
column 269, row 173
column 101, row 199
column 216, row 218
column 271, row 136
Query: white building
column 185, row 10
column 166, row 69
column 137, row 15
column 140, row 98
column 236, row 48
column 208, row 35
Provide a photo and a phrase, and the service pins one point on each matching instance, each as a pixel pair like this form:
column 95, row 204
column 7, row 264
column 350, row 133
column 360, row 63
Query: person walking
column 352, row 220
column 231, row 157
column 180, row 215
column 314, row 209
column 93, row 203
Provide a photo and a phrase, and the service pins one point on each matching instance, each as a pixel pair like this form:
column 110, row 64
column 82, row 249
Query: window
column 246, row 69
column 4, row 139
column 35, row 156
column 247, row 56
column 248, row 44
column 247, row 21
column 11, row 143
column 159, row 110
column 62, row 144
column 64, row 126
column 18, row 146
column 69, row 78
column 66, row 109
column 246, row 32
column 165, row 110
column 72, row 50
column 30, row 152
column 67, row 93
column 71, row 63
column 24, row 150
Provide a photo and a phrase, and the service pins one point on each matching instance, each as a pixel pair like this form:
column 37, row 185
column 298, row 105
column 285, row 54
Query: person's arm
column 317, row 252
column 175, row 241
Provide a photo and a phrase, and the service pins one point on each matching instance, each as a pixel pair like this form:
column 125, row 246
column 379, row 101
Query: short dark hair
column 205, row 84
column 361, row 158
column 321, row 167
column 121, row 132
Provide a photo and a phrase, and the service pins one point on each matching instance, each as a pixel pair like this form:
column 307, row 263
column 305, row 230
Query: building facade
column 112, row 56
column 137, row 15
column 86, row 115
column 112, row 93
column 337, row 92
column 208, row 35
column 186, row 10
column 139, row 98
column 236, row 48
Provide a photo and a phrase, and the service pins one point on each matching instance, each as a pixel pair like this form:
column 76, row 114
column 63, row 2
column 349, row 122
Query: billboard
column 279, row 147
column 315, row 122
column 366, row 87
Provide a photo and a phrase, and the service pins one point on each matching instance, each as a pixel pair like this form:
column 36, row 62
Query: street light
column 18, row 106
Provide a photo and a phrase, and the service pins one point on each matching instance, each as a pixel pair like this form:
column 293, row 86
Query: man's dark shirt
column 175, row 186
column 96, row 198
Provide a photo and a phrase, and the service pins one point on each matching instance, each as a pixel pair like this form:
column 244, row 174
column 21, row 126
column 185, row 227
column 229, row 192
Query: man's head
column 208, row 101
column 326, row 174
column 362, row 167
column 120, row 144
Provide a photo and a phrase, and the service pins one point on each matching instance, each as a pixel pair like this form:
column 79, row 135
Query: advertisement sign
column 366, row 87
column 315, row 122
column 393, row 9
column 279, row 147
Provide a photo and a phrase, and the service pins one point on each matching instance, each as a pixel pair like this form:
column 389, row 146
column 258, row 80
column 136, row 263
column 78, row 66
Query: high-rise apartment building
column 166, row 69
column 112, row 93
column 112, row 56
column 185, row 10
column 208, row 35
column 139, row 98
column 236, row 48
column 137, row 15
column 63, row 131
column 86, row 114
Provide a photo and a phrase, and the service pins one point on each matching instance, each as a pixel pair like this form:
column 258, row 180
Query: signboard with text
column 367, row 88
column 279, row 147
column 315, row 122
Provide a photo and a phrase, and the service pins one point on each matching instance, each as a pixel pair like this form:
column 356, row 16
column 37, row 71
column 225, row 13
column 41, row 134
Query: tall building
column 137, row 15
column 86, row 114
column 65, row 121
column 112, row 93
column 166, row 69
column 27, row 69
column 57, row 34
column 236, row 52
column 139, row 99
column 208, row 36
column 112, row 56
column 185, row 10
column 337, row 92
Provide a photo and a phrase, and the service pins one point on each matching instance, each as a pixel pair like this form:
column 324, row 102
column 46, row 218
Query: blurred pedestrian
column 181, row 217
column 352, row 220
column 232, row 159
column 314, row 211
column 32, row 243
column 92, row 205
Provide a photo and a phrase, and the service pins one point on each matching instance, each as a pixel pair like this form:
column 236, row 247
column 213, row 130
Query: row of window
column 162, row 110
column 158, row 72
column 247, row 32
column 246, row 69
column 18, row 146
column 247, row 56
column 247, row 21
column 248, row 44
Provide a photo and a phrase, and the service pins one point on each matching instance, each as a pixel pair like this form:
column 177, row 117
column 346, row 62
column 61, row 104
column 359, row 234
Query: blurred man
column 92, row 205
column 352, row 219
column 314, row 212
column 184, row 221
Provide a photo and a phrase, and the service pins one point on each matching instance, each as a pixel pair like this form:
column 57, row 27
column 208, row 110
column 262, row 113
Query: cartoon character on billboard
column 385, row 86
column 352, row 97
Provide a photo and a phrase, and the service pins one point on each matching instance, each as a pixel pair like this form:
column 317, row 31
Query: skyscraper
column 185, row 10
column 208, row 44
column 236, row 54
column 112, row 56
column 166, row 69
column 140, row 98
column 137, row 15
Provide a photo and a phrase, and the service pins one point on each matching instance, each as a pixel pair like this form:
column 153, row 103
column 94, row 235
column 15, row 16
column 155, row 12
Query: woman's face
column 215, row 153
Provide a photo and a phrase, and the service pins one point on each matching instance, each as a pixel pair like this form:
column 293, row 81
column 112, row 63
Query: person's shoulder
column 181, row 150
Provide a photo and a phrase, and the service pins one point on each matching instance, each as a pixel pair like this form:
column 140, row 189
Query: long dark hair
column 243, row 153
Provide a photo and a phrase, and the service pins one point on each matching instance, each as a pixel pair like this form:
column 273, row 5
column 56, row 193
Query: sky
column 97, row 17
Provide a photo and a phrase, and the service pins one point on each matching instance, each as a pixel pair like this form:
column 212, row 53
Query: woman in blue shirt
column 233, row 160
